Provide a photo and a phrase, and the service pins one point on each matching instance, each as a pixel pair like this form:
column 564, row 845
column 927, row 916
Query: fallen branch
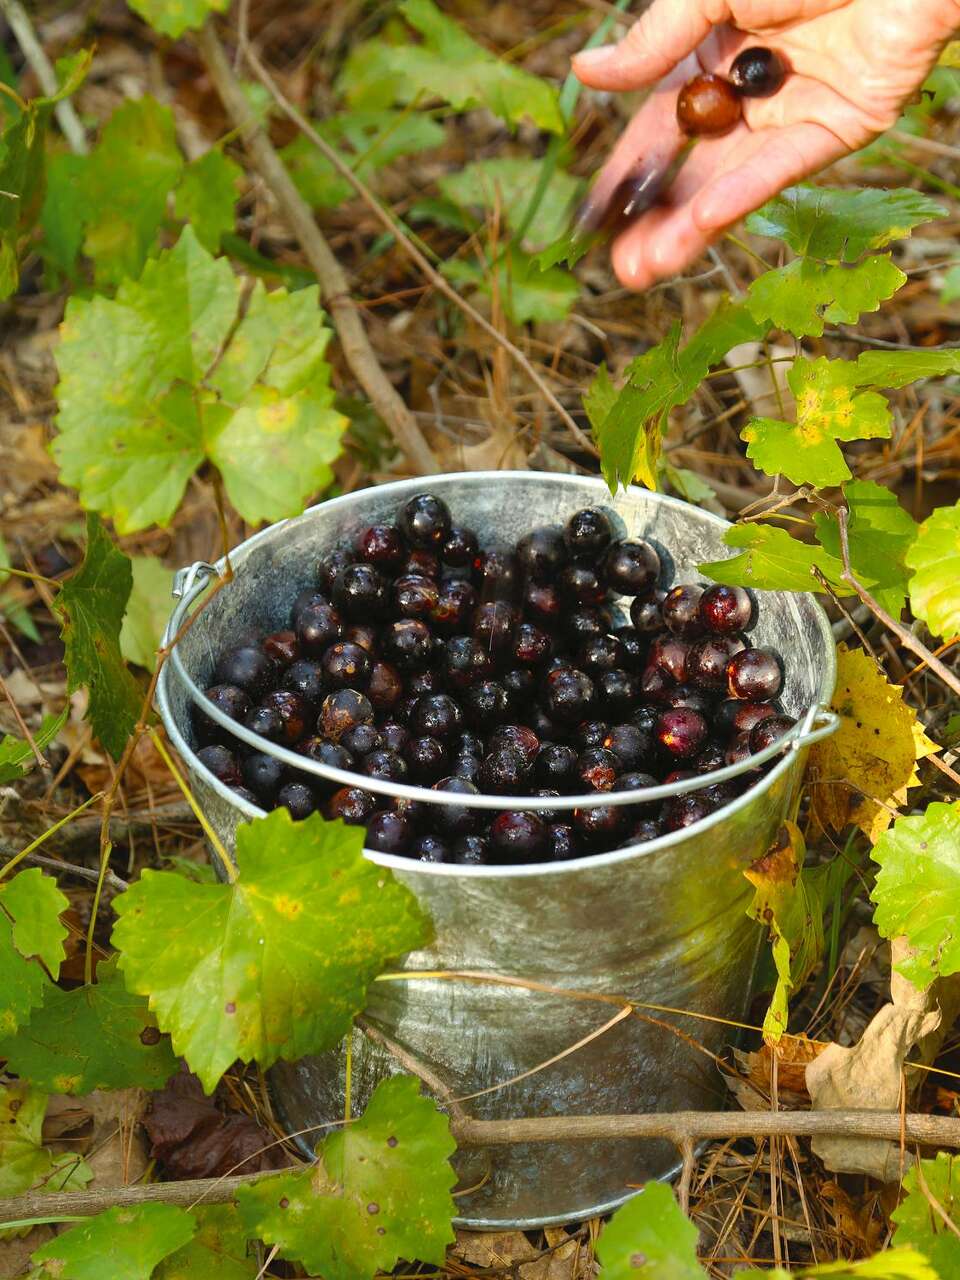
column 682, row 1128
column 334, row 286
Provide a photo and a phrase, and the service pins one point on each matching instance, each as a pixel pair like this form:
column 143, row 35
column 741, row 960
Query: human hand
column 853, row 63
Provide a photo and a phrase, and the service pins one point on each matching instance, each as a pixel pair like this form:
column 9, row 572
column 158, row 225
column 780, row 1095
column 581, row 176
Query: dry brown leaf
column 852, row 1221
column 792, row 1055
column 493, row 1248
column 15, row 1254
column 564, row 1262
column 861, row 773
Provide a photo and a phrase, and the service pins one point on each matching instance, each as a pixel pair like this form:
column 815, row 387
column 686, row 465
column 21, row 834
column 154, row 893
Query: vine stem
column 905, row 637
column 439, row 282
column 33, row 51
column 682, row 1128
column 334, row 286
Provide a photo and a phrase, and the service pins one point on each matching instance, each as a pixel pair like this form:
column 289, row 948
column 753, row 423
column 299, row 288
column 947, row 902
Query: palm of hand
column 854, row 64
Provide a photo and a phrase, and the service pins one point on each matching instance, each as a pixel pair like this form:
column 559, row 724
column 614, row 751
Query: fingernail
column 590, row 59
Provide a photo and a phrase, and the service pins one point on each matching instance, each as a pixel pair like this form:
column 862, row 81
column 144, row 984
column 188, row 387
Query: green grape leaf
column 569, row 248
column 22, row 982
column 34, row 904
column 91, row 604
column 786, row 905
column 805, row 294
column 505, row 183
column 16, row 614
column 94, row 1037
column 275, row 965
column 526, row 293
column 950, row 289
column 649, row 1238
column 687, row 484
column 379, row 1192
column 830, row 407
column 918, row 1224
column 124, row 1244
column 218, row 1250
column 773, row 560
column 207, row 196
column 880, row 532
column 918, row 888
column 64, row 210
column 839, row 225
column 375, row 139
column 448, row 65
column 25, row 1163
column 935, row 561
column 899, row 368
column 892, row 1264
column 21, row 182
column 600, row 397
column 147, row 611
column 161, row 378
column 16, row 755
column 659, row 380
column 174, row 17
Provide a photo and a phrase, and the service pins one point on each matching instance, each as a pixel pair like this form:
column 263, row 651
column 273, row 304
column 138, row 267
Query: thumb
column 660, row 38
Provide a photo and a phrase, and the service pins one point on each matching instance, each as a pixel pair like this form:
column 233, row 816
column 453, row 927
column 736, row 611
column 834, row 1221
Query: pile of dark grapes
column 421, row 657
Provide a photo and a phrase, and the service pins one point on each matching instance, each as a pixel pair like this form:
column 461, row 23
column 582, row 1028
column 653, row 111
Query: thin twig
column 33, row 51
column 439, row 282
column 679, row 1127
column 334, row 286
column 71, row 869
column 905, row 637
column 38, row 755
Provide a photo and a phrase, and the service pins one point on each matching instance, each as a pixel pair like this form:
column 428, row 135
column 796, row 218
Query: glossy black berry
column 515, row 737
column 597, row 768
column 464, row 661
column 456, row 820
column 646, row 613
column 426, row 759
column 351, row 805
column 769, row 731
column 580, row 586
column 454, row 607
column 330, row 566
column 326, row 752
column 233, row 702
column 683, row 811
column 492, row 626
column 643, row 831
column 430, row 848
column 708, row 106
column 617, row 692
column 635, row 780
column 248, row 668
column 282, row 647
column 685, row 695
column 541, row 553
column 582, row 624
column 306, row 678
column 681, row 732
column 308, row 597
column 415, row 596
column 738, row 749
column 504, row 772
column 711, row 757
column 520, row 683
column 394, row 736
column 601, row 826
column 361, row 592
column 631, row 745
column 318, row 626
column 436, row 715
column 757, row 72
column 459, row 547
column 556, row 766
column 517, row 837
column 364, row 634
column 726, row 610
column 496, row 575
column 425, row 521
column 361, row 740
column 466, row 765
column 384, row 687
column 407, row 644
column 670, row 655
column 380, row 545
column 389, row 832
column 568, row 695
column 707, row 660
column 599, row 654
column 541, row 602
column 298, row 799
column 384, row 764
column 681, row 610
column 263, row 775
column 560, row 842
column 471, row 851
column 755, row 675
column 294, row 711
column 428, row 681
column 421, row 563
column 343, row 710
column 588, row 533
column 486, row 704
column 222, row 763
column 631, row 568
column 346, row 666
column 530, row 645
column 633, row 648
column 590, row 733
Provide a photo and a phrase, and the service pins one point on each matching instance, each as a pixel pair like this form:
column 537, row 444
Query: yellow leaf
column 861, row 773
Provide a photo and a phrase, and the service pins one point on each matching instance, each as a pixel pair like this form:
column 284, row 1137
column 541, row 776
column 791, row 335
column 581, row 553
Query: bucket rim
column 185, row 583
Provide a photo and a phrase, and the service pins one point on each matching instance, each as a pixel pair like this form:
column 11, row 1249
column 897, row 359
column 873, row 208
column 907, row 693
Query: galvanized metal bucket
column 663, row 923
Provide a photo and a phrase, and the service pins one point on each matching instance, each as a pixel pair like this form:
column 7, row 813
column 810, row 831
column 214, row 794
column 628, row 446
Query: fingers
column 663, row 35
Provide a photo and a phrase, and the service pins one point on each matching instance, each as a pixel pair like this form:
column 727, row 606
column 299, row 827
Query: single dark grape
column 556, row 765
column 380, row 545
column 515, row 737
column 681, row 732
column 601, row 826
column 298, row 799
column 428, row 681
column 720, row 793
column 579, row 585
column 600, row 653
column 351, row 805
column 643, row 831
column 436, row 715
column 361, row 592
column 568, row 695
column 425, row 521
column 306, row 599
column 597, row 768
column 707, row 660
column 713, row 756
column 263, row 775
column 670, row 655
column 486, row 704
column 394, row 736
column 769, row 731
column 417, row 812
column 471, row 851
column 631, row 745
column 456, row 820
column 683, row 811
column 590, row 733
column 407, row 644
column 282, row 646
column 757, row 72
column 244, row 793
column 645, row 717
column 646, row 612
column 685, row 695
column 248, row 668
column 454, row 607
column 588, row 533
column 318, row 626
column 384, row 764
column 385, row 687
column 325, row 752
column 680, row 775
column 222, row 763
column 459, row 548
column 541, row 601
column 738, row 749
column 493, row 624
column 681, row 610
column 725, row 610
column 330, row 566
column 430, row 848
column 560, row 842
column 389, row 832
column 361, row 739
column 294, row 711
column 364, row 634
column 635, row 780
column 582, row 624
column 541, row 553
column 426, row 759
column 464, row 660
column 504, row 772
column 520, row 683
column 496, row 575
column 631, row 568
column 708, row 106
column 734, row 716
column 633, row 648
column 466, row 766
column 754, row 675
column 421, row 563
column 304, row 677
column 467, row 743
column 346, row 666
column 654, row 684
column 517, row 837
column 415, row 596
column 617, row 692
column 530, row 645
column 343, row 710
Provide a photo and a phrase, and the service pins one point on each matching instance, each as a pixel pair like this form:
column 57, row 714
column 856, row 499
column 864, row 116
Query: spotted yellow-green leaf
column 34, row 904
column 935, row 561
column 122, row 1243
column 147, row 612
column 207, row 196
column 804, row 295
column 525, row 292
column 504, row 183
column 880, row 533
column 839, row 224
column 786, row 905
column 917, row 888
column 649, row 1238
column 91, row 606
column 163, row 377
column 861, row 773
column 94, row 1037
column 449, row 65
column 773, row 560
column 16, row 754
column 831, row 406
column 219, row 1250
column 25, row 1163
column 918, row 1219
column 379, row 1192
column 174, row 17
column 275, row 965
